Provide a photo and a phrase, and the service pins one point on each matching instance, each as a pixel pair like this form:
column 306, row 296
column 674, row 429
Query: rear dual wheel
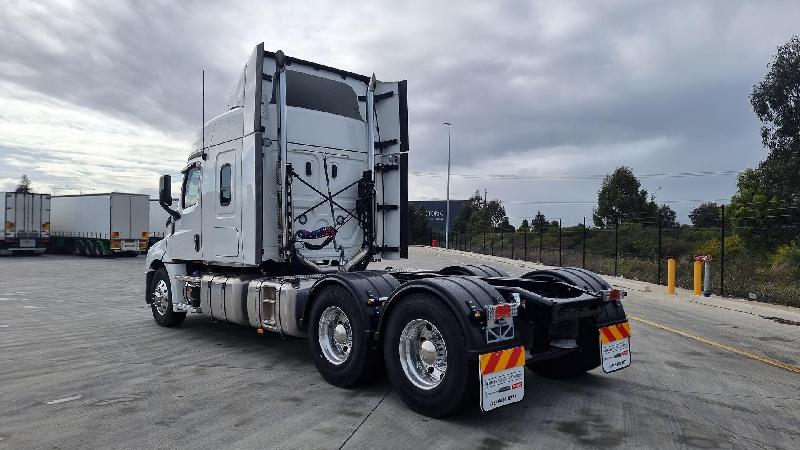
column 338, row 338
column 425, row 357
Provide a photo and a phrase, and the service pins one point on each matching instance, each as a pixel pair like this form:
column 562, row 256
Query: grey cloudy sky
column 106, row 95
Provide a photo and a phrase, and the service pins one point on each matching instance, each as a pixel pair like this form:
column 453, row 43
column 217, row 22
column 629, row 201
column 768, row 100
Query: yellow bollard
column 698, row 277
column 671, row 276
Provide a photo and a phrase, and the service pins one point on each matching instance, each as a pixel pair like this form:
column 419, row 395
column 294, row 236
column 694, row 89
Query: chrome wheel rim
column 335, row 335
column 423, row 354
column 161, row 297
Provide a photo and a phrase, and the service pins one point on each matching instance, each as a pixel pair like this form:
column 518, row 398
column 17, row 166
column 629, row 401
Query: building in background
column 437, row 211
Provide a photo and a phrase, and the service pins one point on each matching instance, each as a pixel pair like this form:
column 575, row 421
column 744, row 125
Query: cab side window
column 191, row 188
column 225, row 185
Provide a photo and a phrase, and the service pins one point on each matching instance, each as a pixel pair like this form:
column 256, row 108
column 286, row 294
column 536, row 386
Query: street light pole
column 447, row 215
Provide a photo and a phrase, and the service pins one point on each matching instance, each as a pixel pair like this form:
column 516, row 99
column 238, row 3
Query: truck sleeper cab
column 294, row 190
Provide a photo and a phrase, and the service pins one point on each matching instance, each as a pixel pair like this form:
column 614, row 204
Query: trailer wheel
column 338, row 339
column 573, row 364
column 77, row 249
column 98, row 249
column 161, row 296
column 88, row 248
column 425, row 356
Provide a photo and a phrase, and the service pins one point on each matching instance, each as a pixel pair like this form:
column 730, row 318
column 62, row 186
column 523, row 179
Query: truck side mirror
column 165, row 196
column 165, row 190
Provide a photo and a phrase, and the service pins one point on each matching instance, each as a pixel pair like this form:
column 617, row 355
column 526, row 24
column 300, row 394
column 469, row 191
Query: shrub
column 733, row 247
column 786, row 259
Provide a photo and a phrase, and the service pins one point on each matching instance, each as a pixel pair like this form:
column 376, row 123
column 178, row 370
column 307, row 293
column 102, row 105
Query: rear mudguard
column 611, row 312
column 463, row 295
column 367, row 287
column 478, row 270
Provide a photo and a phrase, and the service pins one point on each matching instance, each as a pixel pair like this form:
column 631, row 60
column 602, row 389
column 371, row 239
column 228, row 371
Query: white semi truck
column 26, row 222
column 106, row 224
column 286, row 198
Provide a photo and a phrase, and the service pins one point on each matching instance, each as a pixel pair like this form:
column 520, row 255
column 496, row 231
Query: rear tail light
column 11, row 226
column 612, row 295
column 145, row 234
column 46, row 226
column 501, row 311
column 115, row 234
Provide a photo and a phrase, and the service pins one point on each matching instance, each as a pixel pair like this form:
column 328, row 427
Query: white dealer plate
column 502, row 377
column 27, row 243
column 615, row 347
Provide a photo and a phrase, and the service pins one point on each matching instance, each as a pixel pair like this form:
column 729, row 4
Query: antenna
column 203, row 126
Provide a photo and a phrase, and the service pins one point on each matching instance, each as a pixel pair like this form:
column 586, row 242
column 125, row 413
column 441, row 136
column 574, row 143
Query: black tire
column 166, row 317
column 77, row 249
column 97, row 248
column 88, row 248
column 459, row 386
column 358, row 361
column 574, row 364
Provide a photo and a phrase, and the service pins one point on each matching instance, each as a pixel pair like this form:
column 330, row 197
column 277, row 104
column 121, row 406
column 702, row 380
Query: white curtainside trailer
column 26, row 222
column 100, row 224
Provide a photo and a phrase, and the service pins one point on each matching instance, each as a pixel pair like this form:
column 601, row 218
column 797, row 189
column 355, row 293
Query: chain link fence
column 640, row 251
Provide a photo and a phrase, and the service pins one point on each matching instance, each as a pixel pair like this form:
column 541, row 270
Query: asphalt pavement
column 83, row 365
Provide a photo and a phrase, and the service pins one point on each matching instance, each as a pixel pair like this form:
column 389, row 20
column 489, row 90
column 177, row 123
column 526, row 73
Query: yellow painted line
column 764, row 359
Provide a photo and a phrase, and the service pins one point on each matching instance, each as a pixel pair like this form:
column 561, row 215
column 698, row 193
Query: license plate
column 615, row 347
column 502, row 377
column 128, row 246
column 27, row 243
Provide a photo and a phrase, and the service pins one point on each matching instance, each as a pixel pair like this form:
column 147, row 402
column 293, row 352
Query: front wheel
column 425, row 356
column 161, row 297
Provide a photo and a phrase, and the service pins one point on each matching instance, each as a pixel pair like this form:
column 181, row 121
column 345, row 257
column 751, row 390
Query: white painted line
column 32, row 307
column 4, row 326
column 62, row 400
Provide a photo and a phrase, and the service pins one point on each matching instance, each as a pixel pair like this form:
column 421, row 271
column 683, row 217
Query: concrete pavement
column 82, row 364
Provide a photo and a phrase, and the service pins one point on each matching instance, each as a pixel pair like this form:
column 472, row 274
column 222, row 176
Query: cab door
column 223, row 217
column 186, row 241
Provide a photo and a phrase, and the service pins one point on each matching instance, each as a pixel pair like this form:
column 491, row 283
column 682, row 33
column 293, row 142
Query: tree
column 525, row 226
column 758, row 212
column 480, row 215
column 418, row 228
column 776, row 103
column 621, row 198
column 707, row 215
column 539, row 222
column 24, row 184
column 667, row 217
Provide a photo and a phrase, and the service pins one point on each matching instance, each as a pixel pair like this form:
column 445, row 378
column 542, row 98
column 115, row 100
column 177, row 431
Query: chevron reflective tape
column 615, row 332
column 502, row 360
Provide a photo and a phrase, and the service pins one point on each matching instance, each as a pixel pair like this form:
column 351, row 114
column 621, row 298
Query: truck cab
column 291, row 170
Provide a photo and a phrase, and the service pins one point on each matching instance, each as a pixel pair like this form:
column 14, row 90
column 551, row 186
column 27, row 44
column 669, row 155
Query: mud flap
column 615, row 347
column 502, row 378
